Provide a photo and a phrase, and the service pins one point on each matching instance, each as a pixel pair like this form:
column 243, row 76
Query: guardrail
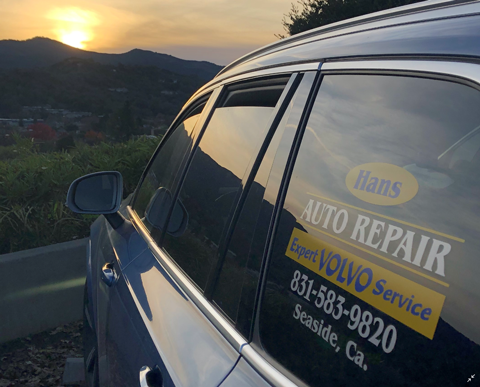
column 41, row 288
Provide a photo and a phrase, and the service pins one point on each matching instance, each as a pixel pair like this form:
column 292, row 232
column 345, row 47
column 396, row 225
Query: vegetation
column 43, row 52
column 33, row 188
column 308, row 14
column 121, row 95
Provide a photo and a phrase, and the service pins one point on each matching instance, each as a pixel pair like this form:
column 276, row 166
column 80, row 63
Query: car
column 311, row 218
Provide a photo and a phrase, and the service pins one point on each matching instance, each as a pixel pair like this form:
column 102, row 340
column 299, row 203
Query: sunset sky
column 215, row 30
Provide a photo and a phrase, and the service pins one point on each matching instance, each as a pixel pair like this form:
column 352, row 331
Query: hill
column 43, row 52
column 82, row 85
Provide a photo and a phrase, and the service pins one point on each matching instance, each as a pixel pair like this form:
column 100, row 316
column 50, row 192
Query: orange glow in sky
column 74, row 38
column 218, row 31
column 73, row 26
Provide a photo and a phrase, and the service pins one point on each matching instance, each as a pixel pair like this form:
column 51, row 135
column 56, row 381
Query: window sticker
column 406, row 301
column 382, row 184
column 411, row 247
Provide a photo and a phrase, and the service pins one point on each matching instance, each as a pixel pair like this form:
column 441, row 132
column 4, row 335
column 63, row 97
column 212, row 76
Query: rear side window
column 235, row 287
column 214, row 179
column 373, row 276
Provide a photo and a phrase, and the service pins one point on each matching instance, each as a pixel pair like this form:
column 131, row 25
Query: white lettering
column 406, row 245
column 316, row 220
column 421, row 250
column 296, row 314
column 360, row 225
column 340, row 229
column 330, row 209
column 377, row 226
column 393, row 233
column 351, row 344
column 438, row 255
column 308, row 211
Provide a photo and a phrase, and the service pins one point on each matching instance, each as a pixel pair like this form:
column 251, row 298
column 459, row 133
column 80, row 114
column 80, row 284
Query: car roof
column 439, row 28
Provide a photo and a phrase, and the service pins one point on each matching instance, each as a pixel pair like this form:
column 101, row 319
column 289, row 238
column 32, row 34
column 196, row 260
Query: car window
column 236, row 286
column 214, row 178
column 162, row 175
column 373, row 275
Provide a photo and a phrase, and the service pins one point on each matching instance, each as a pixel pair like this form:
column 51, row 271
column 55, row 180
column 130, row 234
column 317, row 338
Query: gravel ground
column 39, row 360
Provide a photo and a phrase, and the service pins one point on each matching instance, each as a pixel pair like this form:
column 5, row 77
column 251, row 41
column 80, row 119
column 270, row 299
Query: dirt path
column 39, row 360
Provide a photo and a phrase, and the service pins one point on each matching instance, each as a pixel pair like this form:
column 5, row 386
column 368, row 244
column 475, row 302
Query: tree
column 65, row 143
column 122, row 123
column 71, row 127
column 40, row 131
column 310, row 14
column 92, row 137
column 127, row 120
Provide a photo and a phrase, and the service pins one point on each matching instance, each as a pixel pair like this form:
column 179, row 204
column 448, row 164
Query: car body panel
column 194, row 352
column 244, row 375
column 433, row 38
column 136, row 330
column 422, row 11
column 154, row 315
column 427, row 29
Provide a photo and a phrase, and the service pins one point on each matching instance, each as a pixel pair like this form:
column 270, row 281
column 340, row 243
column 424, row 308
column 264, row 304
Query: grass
column 33, row 188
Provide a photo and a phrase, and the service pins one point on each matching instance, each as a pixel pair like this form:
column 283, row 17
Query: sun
column 74, row 38
column 73, row 26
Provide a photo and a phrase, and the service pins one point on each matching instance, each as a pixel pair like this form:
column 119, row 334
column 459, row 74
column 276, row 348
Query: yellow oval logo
column 381, row 184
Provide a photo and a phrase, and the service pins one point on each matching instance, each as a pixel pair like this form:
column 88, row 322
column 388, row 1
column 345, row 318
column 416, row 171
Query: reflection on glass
column 96, row 193
column 236, row 285
column 395, row 133
column 212, row 184
column 164, row 169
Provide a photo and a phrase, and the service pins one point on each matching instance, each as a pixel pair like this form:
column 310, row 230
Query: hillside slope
column 44, row 52
column 84, row 85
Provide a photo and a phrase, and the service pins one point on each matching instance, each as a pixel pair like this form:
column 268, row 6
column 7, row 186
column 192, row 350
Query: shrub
column 33, row 188
column 41, row 132
column 65, row 143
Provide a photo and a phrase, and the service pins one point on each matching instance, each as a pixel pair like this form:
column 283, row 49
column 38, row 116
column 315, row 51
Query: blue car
column 311, row 218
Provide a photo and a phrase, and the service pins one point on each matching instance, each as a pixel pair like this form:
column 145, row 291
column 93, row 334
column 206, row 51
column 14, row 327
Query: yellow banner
column 410, row 303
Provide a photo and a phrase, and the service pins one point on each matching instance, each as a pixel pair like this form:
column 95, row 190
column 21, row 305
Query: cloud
column 160, row 25
column 73, row 15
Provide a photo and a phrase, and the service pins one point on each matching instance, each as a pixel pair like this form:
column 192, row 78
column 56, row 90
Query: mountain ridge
column 42, row 52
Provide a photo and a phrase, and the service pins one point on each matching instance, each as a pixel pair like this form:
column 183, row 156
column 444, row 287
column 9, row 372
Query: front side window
column 214, row 178
column 153, row 196
column 373, row 277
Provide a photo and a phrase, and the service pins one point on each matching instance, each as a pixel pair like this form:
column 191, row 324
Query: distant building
column 119, row 89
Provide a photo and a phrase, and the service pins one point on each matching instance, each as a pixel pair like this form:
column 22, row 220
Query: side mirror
column 97, row 193
column 157, row 212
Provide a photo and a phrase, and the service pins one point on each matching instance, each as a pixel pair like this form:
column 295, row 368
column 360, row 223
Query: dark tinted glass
column 237, row 282
column 163, row 174
column 96, row 193
column 373, row 279
column 213, row 183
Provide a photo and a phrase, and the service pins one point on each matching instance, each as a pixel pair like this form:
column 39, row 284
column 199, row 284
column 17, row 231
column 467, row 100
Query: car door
column 124, row 342
column 171, row 282
column 371, row 278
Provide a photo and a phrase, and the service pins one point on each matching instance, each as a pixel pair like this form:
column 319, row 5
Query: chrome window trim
column 406, row 14
column 277, row 69
column 260, row 364
column 467, row 71
column 274, row 70
column 256, row 361
column 265, row 369
column 215, row 317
